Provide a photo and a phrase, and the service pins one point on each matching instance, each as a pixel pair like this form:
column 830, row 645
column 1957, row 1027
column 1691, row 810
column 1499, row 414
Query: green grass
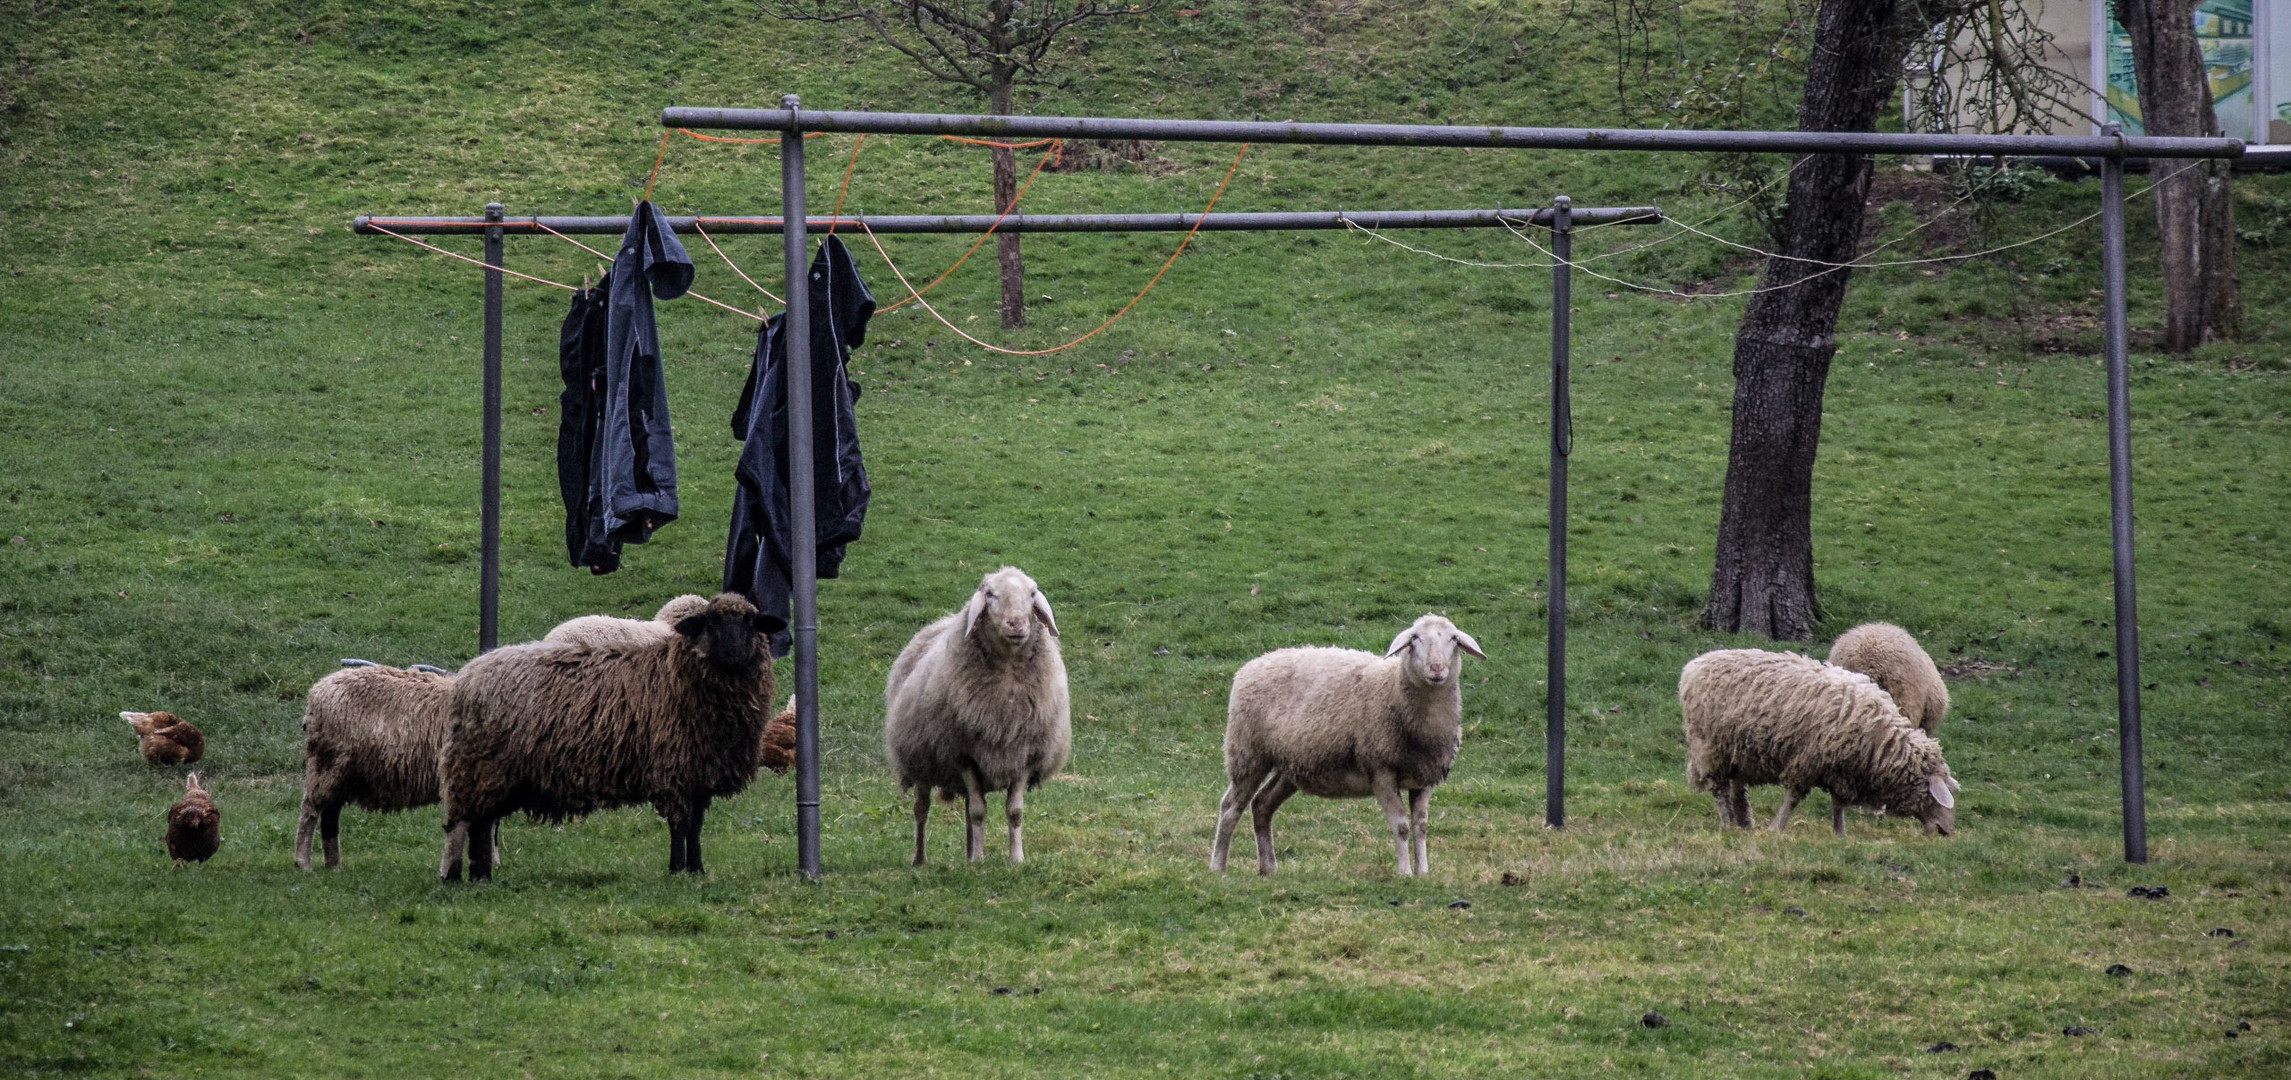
column 241, row 444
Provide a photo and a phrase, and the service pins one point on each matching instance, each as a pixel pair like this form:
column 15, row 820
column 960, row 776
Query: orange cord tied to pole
column 916, row 296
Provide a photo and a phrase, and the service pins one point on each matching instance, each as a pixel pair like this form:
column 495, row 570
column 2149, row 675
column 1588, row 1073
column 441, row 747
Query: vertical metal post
column 1562, row 444
column 489, row 483
column 804, row 531
column 2120, row 503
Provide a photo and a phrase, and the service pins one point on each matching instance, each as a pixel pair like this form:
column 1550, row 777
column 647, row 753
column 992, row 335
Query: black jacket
column 758, row 559
column 613, row 443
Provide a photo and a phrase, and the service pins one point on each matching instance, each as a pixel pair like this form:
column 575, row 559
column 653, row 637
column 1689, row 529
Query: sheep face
column 728, row 633
column 1428, row 650
column 1002, row 613
column 1938, row 809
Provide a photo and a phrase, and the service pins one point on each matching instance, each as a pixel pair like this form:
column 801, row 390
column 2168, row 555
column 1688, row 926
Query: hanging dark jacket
column 759, row 558
column 580, row 412
column 629, row 481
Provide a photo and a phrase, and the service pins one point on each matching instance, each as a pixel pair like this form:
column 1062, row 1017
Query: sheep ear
column 1407, row 637
column 1042, row 610
column 191, row 782
column 691, row 625
column 971, row 611
column 1937, row 786
column 1465, row 641
column 1953, row 786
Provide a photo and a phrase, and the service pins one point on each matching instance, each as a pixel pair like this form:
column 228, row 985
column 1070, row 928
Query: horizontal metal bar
column 1039, row 223
column 2255, row 159
column 1782, row 142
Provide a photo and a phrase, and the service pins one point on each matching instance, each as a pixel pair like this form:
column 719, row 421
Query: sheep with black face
column 977, row 702
column 563, row 729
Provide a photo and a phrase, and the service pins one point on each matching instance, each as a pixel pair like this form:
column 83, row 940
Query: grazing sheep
column 1757, row 717
column 605, row 630
column 165, row 738
column 977, row 702
column 370, row 736
column 1888, row 654
column 194, row 825
column 1346, row 724
column 562, row 729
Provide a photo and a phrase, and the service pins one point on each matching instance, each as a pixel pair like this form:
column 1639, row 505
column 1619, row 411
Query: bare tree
column 989, row 46
column 2195, row 219
column 1762, row 577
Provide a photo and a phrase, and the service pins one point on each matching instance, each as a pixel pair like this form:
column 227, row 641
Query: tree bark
column 1006, row 253
column 2195, row 219
column 1762, row 577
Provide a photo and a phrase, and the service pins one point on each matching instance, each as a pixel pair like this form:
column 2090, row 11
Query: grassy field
column 240, row 443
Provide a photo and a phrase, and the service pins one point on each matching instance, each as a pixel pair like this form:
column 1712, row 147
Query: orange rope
column 846, row 189
column 1166, row 264
column 999, row 145
column 1056, row 150
column 728, row 262
column 467, row 259
column 730, row 139
column 656, row 160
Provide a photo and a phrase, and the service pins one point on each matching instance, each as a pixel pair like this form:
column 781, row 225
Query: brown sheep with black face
column 194, row 826
column 165, row 738
column 563, row 729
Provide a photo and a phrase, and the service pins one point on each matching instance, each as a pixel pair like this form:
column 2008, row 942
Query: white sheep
column 1887, row 654
column 1757, row 717
column 977, row 702
column 610, row 630
column 1346, row 724
column 370, row 736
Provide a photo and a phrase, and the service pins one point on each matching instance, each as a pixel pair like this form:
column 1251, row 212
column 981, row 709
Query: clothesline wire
column 917, row 296
column 1831, row 268
column 467, row 259
column 735, row 266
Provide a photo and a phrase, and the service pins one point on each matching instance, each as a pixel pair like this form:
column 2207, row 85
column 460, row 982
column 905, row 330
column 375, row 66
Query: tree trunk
column 1762, row 578
column 1005, row 189
column 2195, row 221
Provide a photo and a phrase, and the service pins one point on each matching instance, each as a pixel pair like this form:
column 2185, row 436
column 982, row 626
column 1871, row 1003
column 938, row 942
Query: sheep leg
column 1419, row 815
column 1395, row 804
column 456, row 838
column 1837, row 815
column 1277, row 791
column 302, row 834
column 692, row 836
column 1790, row 797
column 974, row 815
column 676, row 816
column 330, row 834
column 480, row 849
column 1738, row 804
column 922, row 818
column 1243, row 788
column 1014, row 809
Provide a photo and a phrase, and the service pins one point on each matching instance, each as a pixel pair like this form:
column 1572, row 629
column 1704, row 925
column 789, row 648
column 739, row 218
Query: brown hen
column 165, row 738
column 194, row 826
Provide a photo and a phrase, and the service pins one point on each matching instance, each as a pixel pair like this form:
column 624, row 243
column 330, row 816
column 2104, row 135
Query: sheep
column 1887, row 654
column 370, row 736
column 1757, row 717
column 165, row 738
column 977, row 702
column 562, row 729
column 194, row 825
column 611, row 630
column 1346, row 724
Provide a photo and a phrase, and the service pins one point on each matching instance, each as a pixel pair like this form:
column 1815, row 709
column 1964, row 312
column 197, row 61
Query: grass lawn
column 241, row 443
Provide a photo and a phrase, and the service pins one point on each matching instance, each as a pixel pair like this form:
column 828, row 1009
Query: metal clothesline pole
column 1562, row 444
column 2129, row 760
column 803, row 529
column 1256, row 221
column 489, row 482
column 1455, row 136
